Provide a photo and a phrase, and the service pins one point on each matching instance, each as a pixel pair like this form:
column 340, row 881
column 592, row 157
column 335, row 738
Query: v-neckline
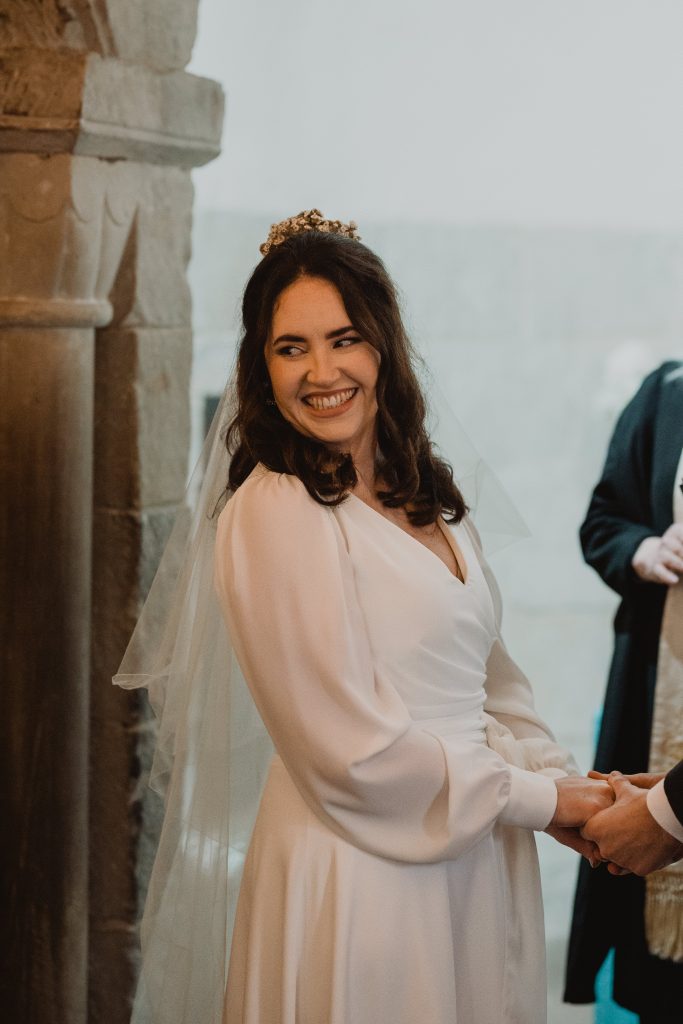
column 450, row 540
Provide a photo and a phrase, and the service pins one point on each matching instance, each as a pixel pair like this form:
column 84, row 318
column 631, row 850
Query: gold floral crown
column 307, row 220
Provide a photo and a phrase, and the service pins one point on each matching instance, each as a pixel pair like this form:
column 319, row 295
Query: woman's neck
column 369, row 479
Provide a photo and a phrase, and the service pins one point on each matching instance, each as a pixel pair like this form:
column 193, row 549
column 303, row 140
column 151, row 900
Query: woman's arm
column 524, row 739
column 287, row 589
column 509, row 698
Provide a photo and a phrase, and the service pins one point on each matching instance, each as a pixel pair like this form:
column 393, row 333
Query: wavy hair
column 414, row 477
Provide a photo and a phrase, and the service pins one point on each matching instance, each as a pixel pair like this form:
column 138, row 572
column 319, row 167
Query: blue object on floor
column 607, row 1011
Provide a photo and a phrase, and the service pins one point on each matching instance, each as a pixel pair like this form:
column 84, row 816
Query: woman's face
column 323, row 374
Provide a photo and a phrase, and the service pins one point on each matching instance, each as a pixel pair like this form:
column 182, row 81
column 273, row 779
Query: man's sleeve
column 665, row 802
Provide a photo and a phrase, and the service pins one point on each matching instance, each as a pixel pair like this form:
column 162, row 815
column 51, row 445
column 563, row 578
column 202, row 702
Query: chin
column 341, row 444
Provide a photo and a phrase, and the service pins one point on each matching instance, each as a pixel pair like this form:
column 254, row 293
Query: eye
column 346, row 342
column 288, row 350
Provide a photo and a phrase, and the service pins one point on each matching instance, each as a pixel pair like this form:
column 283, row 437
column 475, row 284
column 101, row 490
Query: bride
column 391, row 874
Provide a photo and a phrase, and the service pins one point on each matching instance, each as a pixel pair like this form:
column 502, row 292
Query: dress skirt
column 327, row 933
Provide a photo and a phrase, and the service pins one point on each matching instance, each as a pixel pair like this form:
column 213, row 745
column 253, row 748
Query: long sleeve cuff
column 532, row 800
column 660, row 809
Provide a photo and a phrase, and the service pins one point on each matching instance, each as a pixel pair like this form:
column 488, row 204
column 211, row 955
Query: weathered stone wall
column 99, row 127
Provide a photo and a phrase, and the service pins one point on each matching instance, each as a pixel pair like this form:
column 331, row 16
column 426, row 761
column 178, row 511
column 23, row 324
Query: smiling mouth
column 322, row 402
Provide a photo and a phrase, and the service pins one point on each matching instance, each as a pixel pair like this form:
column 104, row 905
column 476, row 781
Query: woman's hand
column 578, row 799
column 572, row 838
column 660, row 559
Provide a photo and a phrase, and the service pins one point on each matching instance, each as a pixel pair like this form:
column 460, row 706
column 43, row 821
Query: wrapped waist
column 452, row 721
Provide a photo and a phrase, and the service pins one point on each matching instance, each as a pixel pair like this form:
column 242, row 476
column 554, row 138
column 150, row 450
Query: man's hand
column 643, row 780
column 660, row 559
column 627, row 835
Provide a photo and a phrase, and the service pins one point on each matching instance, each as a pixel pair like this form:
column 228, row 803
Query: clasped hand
column 618, row 828
column 578, row 800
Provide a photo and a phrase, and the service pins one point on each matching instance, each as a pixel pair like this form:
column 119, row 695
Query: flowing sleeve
column 515, row 729
column 286, row 585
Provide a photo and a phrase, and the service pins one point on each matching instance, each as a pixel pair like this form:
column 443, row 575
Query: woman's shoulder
column 269, row 497
column 271, row 527
column 265, row 484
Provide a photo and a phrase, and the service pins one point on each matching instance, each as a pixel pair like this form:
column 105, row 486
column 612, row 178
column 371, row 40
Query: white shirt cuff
column 660, row 809
column 532, row 800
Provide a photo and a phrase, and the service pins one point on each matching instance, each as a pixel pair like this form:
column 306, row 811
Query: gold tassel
column 664, row 889
column 664, row 915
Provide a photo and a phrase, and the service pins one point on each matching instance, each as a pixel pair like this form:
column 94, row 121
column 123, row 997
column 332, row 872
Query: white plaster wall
column 535, row 111
column 519, row 167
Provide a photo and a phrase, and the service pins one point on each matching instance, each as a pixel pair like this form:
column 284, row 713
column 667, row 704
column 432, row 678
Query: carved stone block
column 50, row 23
column 65, row 221
column 151, row 288
column 159, row 33
column 142, row 419
column 53, row 102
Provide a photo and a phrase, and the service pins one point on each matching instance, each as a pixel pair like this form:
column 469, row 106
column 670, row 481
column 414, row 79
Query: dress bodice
column 429, row 632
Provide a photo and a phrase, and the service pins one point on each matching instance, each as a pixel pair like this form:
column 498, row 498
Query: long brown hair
column 413, row 475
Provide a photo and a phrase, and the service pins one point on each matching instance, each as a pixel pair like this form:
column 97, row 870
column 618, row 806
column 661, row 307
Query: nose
column 323, row 371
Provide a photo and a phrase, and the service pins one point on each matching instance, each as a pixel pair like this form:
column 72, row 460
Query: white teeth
column 330, row 401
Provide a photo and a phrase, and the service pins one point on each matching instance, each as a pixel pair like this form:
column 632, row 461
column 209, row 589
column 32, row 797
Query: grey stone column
column 59, row 251
column 99, row 127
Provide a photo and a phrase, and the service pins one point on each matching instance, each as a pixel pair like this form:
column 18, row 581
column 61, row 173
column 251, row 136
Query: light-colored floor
column 559, row 1012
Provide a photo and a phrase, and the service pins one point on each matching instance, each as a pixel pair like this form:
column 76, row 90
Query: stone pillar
column 141, row 438
column 99, row 127
column 60, row 250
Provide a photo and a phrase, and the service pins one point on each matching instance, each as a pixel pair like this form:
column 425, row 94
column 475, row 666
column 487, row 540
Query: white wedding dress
column 392, row 876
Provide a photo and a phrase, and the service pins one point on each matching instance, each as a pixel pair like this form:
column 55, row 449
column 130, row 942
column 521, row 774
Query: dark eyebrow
column 329, row 336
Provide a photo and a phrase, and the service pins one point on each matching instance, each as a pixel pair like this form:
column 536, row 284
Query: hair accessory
column 307, row 220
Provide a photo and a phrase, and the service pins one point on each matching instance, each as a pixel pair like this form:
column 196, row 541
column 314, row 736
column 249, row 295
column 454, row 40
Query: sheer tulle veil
column 209, row 764
column 212, row 749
